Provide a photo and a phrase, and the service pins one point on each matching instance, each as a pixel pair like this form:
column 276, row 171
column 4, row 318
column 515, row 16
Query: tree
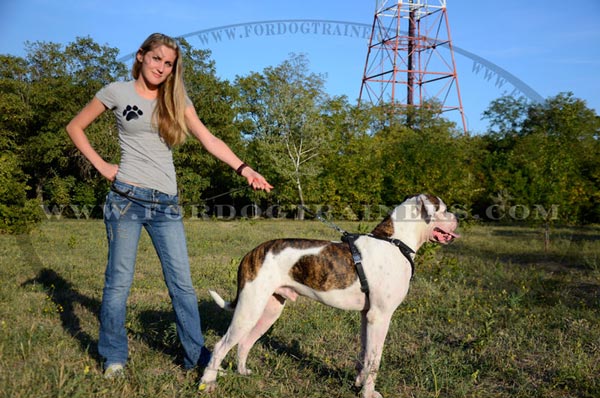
column 281, row 111
column 17, row 213
column 548, row 160
column 559, row 154
column 15, row 111
column 506, row 116
column 60, row 82
column 311, row 146
column 351, row 180
column 432, row 156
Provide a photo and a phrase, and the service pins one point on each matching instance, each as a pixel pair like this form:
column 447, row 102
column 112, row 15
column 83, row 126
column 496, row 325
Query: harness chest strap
column 404, row 249
column 350, row 239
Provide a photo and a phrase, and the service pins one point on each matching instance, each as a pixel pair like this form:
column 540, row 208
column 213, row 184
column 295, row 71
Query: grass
column 492, row 315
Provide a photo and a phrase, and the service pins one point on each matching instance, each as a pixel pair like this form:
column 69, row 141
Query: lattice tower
column 410, row 60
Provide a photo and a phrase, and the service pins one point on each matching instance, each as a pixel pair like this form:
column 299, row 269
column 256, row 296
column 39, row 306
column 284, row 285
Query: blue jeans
column 124, row 215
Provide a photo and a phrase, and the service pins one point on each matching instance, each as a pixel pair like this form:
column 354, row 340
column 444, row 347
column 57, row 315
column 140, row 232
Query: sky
column 535, row 49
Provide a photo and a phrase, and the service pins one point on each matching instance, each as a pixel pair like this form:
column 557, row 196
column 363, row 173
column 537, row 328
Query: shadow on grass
column 564, row 255
column 214, row 318
column 560, row 276
column 157, row 328
column 217, row 320
column 65, row 296
column 316, row 364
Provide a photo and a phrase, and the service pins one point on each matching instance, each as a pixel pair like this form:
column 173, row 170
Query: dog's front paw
column 208, row 382
column 207, row 387
column 371, row 394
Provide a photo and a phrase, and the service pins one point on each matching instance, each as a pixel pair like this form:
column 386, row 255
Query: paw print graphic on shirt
column 132, row 112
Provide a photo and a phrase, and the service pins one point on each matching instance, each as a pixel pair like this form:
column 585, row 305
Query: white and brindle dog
column 283, row 269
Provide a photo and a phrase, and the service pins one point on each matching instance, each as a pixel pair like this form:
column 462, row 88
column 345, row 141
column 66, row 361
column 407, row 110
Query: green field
column 492, row 315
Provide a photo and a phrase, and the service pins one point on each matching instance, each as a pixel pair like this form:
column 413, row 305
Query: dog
column 283, row 269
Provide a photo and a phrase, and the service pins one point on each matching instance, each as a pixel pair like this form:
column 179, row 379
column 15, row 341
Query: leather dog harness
column 350, row 239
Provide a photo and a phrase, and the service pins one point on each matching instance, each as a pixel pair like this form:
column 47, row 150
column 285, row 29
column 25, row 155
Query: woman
column 153, row 115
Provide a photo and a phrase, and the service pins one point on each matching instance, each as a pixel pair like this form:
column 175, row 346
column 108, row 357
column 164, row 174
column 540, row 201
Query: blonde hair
column 169, row 113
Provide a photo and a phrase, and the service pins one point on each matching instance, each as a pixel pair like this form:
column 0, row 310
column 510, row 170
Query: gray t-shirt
column 146, row 160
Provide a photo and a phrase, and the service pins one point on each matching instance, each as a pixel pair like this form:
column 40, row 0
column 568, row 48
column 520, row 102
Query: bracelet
column 239, row 169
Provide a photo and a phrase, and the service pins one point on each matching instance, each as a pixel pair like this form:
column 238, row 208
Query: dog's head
column 442, row 224
column 423, row 218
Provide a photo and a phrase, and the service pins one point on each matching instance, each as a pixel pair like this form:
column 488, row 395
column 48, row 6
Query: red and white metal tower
column 410, row 60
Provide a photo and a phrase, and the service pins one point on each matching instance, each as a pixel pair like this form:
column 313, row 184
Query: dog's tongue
column 443, row 236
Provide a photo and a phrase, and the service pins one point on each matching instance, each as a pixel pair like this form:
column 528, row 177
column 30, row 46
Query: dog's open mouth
column 443, row 236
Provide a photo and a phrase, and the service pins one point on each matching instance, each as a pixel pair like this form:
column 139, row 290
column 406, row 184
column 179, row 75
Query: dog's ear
column 428, row 205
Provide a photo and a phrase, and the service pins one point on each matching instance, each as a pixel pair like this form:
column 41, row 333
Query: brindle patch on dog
column 332, row 268
column 253, row 261
column 385, row 229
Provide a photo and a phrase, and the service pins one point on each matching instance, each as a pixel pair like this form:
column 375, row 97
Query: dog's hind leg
column 246, row 316
column 270, row 314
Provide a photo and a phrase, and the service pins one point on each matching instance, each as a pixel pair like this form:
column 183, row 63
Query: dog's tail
column 226, row 305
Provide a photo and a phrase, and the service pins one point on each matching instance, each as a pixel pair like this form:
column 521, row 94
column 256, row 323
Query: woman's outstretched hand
column 255, row 180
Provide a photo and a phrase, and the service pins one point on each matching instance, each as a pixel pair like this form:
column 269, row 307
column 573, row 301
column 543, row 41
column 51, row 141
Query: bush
column 17, row 213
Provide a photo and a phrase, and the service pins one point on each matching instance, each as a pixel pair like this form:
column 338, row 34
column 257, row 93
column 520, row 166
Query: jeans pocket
column 116, row 205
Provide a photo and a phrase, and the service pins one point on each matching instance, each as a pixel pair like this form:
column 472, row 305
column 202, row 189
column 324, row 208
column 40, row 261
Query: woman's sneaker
column 113, row 371
column 205, row 356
